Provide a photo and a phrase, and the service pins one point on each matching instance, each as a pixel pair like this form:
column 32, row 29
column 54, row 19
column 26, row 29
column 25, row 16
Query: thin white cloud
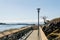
column 20, row 20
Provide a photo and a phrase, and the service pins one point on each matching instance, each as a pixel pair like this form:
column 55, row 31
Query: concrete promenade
column 34, row 35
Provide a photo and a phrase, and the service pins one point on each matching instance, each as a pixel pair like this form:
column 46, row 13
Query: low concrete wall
column 42, row 35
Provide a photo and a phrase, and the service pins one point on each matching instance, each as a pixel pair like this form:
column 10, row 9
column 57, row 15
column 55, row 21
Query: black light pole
column 38, row 10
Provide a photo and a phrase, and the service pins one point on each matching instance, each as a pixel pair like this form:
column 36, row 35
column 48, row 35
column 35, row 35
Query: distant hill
column 2, row 23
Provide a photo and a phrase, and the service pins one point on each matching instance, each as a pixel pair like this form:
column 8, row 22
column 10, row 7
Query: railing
column 14, row 34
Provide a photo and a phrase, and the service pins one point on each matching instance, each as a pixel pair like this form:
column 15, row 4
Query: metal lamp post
column 38, row 10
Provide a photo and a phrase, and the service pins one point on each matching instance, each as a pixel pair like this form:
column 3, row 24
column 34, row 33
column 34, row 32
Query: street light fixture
column 38, row 10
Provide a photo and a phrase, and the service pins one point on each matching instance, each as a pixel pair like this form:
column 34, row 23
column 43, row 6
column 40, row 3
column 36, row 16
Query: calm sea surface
column 7, row 27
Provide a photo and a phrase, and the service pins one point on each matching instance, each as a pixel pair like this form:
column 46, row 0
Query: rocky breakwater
column 52, row 29
column 14, row 34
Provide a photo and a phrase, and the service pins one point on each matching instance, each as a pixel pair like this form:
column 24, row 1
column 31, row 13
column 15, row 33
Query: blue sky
column 25, row 10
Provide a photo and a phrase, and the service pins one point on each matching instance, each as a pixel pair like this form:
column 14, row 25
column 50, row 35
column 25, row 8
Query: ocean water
column 7, row 27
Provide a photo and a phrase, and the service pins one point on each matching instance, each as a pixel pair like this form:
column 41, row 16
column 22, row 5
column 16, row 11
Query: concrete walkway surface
column 34, row 35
